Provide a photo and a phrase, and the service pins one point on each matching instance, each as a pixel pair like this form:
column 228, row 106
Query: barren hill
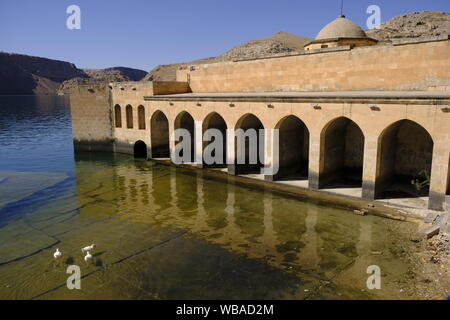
column 411, row 25
column 278, row 43
column 23, row 74
column 104, row 74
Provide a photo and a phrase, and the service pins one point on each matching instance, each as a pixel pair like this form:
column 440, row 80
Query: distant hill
column 102, row 74
column 411, row 25
column 278, row 43
column 114, row 74
column 414, row 25
column 23, row 74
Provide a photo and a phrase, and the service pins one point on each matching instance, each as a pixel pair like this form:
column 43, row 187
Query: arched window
column 293, row 149
column 129, row 112
column 219, row 157
column 141, row 117
column 185, row 121
column 341, row 154
column 405, row 154
column 248, row 156
column 159, row 130
column 140, row 149
column 118, row 116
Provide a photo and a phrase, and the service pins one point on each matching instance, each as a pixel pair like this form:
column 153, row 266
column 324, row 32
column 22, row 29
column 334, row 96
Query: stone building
column 355, row 117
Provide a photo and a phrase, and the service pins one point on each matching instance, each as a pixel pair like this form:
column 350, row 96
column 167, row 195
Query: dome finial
column 342, row 9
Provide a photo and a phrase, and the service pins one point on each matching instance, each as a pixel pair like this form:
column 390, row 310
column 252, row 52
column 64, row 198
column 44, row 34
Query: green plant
column 423, row 181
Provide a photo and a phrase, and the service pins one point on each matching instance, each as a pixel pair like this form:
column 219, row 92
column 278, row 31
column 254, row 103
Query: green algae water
column 168, row 233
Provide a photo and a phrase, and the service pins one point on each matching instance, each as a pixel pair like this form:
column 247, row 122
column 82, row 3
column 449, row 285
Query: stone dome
column 341, row 28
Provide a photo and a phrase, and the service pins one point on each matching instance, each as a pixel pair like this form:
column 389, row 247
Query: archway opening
column 141, row 117
column 293, row 149
column 249, row 145
column 140, row 149
column 129, row 115
column 342, row 154
column 159, row 131
column 405, row 152
column 215, row 121
column 185, row 121
column 118, row 116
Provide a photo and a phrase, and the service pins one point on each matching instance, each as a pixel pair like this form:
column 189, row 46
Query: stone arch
column 216, row 121
column 159, row 135
column 293, row 148
column 341, row 154
column 245, row 143
column 141, row 117
column 184, row 120
column 118, row 116
column 140, row 149
column 129, row 116
column 405, row 152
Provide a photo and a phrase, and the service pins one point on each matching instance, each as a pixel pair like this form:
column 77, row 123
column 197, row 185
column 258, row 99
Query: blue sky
column 143, row 34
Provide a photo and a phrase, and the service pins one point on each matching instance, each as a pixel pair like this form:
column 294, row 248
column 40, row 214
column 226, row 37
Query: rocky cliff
column 23, row 74
column 415, row 25
column 115, row 74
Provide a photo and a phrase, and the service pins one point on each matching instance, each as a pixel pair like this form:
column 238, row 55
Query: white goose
column 88, row 248
column 57, row 254
column 88, row 257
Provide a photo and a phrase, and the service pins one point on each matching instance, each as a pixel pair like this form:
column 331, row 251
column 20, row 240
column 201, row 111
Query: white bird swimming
column 88, row 257
column 57, row 254
column 88, row 248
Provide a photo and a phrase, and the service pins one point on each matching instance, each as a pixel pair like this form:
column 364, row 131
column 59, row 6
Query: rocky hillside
column 22, row 74
column 111, row 73
column 115, row 74
column 278, row 43
column 413, row 25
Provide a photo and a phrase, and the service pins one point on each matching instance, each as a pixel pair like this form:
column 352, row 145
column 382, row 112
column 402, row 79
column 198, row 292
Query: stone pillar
column 231, row 151
column 271, row 154
column 369, row 167
column 198, row 143
column 315, row 162
column 439, row 176
column 172, row 140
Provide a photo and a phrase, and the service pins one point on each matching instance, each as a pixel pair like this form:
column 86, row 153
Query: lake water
column 168, row 233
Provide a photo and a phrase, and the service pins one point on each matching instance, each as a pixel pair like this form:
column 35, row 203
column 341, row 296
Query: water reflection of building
column 283, row 232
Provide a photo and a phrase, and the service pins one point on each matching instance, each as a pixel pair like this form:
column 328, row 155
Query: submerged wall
column 90, row 107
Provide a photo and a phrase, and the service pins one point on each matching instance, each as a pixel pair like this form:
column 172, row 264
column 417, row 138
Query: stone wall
column 90, row 107
column 418, row 66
